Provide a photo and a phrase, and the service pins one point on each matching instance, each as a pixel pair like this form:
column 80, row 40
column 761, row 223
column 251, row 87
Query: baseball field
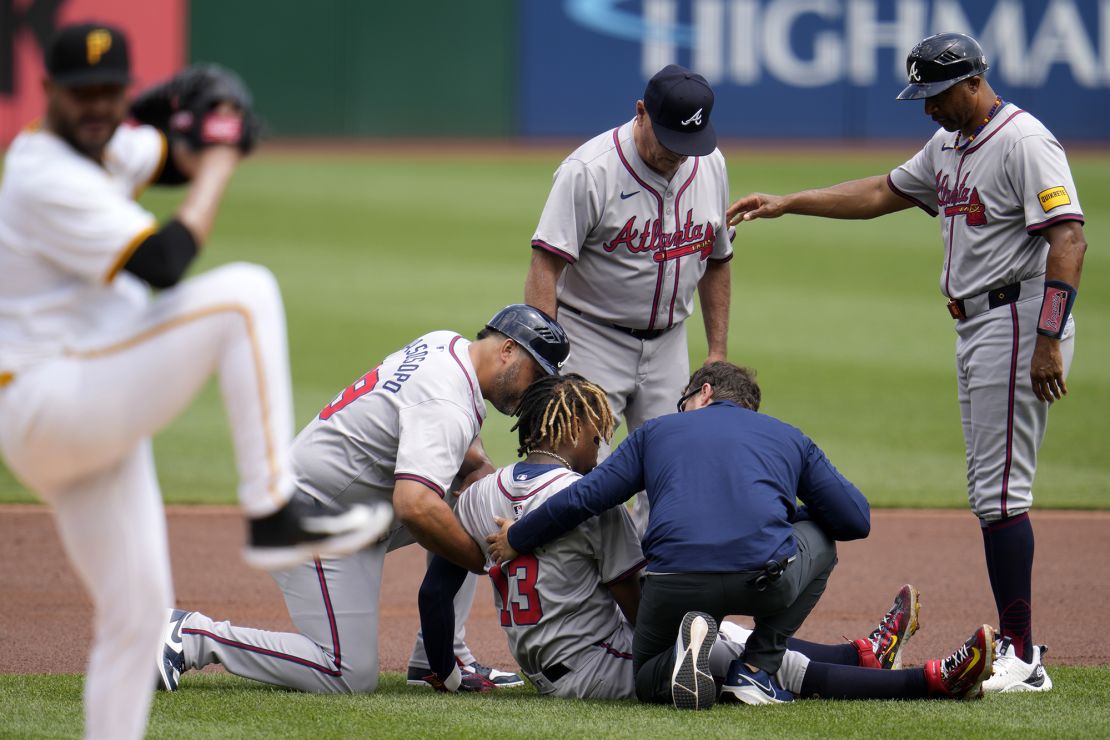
column 374, row 245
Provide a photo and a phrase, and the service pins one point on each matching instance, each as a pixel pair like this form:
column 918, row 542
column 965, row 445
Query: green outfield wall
column 350, row 68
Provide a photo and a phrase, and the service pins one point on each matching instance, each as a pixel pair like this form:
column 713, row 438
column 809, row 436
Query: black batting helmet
column 939, row 62
column 539, row 334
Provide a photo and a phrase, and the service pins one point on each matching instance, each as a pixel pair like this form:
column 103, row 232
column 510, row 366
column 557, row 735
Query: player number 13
column 516, row 585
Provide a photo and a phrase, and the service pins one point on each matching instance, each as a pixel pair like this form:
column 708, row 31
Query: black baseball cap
column 679, row 103
column 88, row 54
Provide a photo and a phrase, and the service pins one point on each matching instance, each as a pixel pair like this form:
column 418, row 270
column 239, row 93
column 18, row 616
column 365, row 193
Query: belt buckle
column 956, row 308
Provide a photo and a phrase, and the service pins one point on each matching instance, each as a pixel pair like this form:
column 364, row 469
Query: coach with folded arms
column 724, row 535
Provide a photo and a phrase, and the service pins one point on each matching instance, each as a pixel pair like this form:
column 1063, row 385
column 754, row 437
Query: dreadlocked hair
column 554, row 408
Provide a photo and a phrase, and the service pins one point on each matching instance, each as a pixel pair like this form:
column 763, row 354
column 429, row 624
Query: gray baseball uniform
column 995, row 197
column 636, row 246
column 564, row 627
column 412, row 417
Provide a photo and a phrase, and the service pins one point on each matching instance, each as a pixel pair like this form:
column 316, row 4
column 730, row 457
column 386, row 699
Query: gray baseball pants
column 643, row 378
column 334, row 605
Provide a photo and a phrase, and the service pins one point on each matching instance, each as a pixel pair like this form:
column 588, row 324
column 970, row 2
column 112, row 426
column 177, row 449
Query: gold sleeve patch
column 1054, row 198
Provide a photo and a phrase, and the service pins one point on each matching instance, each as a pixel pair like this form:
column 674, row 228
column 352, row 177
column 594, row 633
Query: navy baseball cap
column 88, row 54
column 679, row 102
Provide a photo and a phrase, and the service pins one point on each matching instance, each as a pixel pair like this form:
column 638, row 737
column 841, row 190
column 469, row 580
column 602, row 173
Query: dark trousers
column 778, row 611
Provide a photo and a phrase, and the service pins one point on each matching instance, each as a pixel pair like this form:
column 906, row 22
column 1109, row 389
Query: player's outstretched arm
column 1066, row 248
column 855, row 199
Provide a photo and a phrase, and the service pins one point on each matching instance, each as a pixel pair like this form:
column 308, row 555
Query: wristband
column 1059, row 297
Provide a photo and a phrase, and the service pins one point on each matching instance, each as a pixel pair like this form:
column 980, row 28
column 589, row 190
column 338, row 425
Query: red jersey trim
column 505, row 492
column 628, row 573
column 1055, row 220
column 422, row 481
column 474, row 392
column 540, row 244
column 894, row 189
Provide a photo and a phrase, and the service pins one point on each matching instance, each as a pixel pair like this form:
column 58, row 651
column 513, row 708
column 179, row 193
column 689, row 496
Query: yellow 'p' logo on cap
column 97, row 44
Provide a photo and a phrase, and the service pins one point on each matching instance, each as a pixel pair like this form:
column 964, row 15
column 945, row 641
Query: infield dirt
column 45, row 619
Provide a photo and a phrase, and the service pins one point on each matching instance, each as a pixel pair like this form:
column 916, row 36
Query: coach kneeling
column 724, row 535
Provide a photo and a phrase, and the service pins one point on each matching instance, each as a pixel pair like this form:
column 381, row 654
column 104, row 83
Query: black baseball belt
column 644, row 334
column 966, row 308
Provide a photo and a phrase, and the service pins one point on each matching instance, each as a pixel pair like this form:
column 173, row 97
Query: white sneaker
column 1012, row 674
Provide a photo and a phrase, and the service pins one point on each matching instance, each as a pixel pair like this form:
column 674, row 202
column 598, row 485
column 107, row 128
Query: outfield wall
column 782, row 69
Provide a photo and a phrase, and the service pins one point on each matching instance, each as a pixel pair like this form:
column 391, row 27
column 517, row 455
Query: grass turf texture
column 843, row 320
column 224, row 706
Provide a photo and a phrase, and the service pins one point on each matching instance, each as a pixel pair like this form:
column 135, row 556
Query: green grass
column 224, row 706
column 843, row 320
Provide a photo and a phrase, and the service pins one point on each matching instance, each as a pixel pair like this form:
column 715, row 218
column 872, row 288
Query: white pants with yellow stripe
column 76, row 429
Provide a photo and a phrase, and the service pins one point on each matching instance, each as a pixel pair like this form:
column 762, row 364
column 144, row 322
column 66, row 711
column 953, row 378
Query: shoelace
column 886, row 626
column 953, row 661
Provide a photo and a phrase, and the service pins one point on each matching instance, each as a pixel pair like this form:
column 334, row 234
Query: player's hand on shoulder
column 1046, row 371
column 203, row 105
column 753, row 206
column 500, row 550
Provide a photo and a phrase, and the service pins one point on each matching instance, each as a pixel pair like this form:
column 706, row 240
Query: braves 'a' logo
column 694, row 119
column 915, row 76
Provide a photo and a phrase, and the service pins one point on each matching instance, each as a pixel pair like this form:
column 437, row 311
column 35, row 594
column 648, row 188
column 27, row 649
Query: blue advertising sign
column 806, row 68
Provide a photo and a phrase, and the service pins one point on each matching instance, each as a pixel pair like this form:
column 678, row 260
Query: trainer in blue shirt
column 724, row 534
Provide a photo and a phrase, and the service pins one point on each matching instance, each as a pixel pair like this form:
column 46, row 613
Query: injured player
column 568, row 608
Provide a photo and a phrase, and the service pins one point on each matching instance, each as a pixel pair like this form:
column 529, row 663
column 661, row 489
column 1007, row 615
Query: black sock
column 844, row 653
column 1009, row 544
column 826, row 681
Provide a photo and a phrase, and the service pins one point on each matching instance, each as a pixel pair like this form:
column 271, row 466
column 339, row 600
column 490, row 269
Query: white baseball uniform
column 555, row 609
column 636, row 245
column 411, row 418
column 91, row 366
column 995, row 197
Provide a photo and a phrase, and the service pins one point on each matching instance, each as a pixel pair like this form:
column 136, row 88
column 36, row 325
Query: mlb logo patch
column 1053, row 198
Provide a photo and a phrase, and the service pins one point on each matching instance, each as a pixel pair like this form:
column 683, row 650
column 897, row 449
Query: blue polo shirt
column 722, row 482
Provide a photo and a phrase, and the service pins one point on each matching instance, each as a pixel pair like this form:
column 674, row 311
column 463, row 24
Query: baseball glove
column 189, row 107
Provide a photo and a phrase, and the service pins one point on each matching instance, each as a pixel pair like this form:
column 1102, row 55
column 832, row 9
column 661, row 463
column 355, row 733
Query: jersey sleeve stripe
column 127, row 251
column 422, row 481
column 894, row 189
column 540, row 244
column 727, row 258
column 1054, row 220
column 628, row 573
